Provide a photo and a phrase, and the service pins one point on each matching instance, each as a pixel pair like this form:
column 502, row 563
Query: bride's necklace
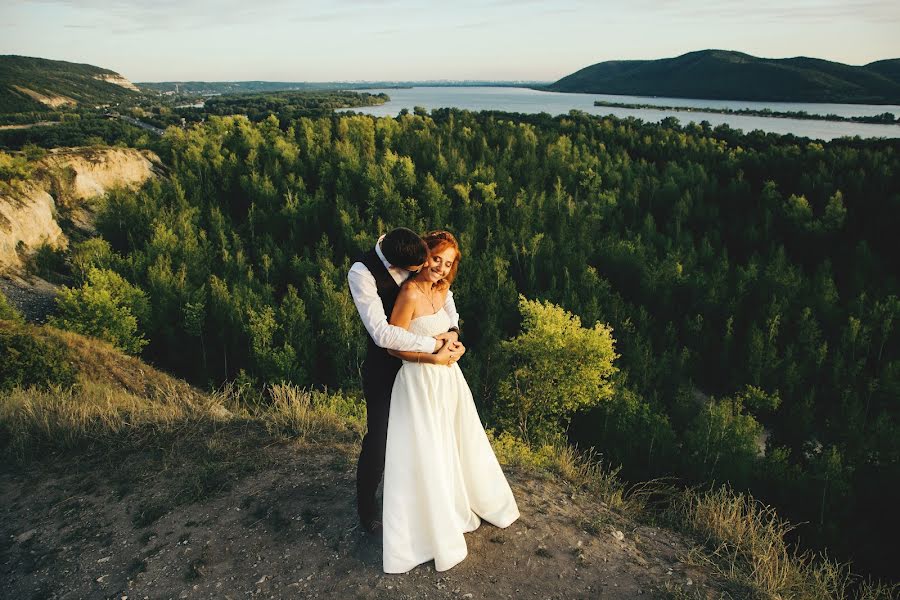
column 430, row 295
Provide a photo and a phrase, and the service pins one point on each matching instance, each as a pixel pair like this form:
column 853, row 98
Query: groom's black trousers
column 378, row 382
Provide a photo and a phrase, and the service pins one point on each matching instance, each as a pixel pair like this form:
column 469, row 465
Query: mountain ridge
column 730, row 75
column 37, row 84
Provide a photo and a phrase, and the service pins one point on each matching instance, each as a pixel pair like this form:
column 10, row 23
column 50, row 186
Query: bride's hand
column 449, row 354
column 445, row 355
column 456, row 351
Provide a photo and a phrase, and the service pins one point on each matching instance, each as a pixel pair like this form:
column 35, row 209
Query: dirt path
column 69, row 530
column 30, row 125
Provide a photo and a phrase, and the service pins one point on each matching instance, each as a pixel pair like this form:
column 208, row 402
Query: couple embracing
column 441, row 477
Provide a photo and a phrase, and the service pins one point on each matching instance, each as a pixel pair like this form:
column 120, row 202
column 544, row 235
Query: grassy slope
column 719, row 74
column 53, row 78
column 138, row 484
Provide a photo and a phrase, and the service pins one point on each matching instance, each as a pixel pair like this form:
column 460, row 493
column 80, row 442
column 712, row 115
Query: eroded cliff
column 64, row 182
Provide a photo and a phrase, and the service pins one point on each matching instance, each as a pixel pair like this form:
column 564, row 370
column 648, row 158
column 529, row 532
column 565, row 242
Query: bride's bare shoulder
column 409, row 291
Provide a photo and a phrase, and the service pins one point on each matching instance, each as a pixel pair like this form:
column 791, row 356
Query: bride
column 441, row 476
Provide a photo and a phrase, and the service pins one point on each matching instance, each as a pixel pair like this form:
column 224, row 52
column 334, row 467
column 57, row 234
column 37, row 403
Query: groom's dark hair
column 403, row 247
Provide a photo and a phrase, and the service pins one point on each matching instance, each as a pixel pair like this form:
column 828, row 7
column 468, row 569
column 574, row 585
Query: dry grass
column 92, row 413
column 296, row 413
column 580, row 470
column 743, row 542
column 99, row 361
column 98, row 414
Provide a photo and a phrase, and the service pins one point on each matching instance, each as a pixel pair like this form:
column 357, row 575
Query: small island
column 886, row 118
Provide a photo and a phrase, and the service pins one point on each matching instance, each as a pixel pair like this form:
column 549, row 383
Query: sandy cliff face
column 93, row 172
column 53, row 101
column 27, row 219
column 118, row 80
column 29, row 214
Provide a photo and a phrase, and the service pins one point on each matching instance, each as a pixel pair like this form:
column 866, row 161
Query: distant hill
column 209, row 88
column 35, row 84
column 727, row 75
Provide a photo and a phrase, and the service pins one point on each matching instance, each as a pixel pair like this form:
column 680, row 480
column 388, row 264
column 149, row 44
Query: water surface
column 523, row 100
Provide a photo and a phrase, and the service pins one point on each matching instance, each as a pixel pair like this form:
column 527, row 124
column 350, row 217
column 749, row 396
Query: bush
column 8, row 312
column 555, row 368
column 28, row 361
column 13, row 168
column 92, row 253
column 107, row 307
column 47, row 261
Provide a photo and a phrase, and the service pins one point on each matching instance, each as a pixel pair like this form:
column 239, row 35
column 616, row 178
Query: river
column 524, row 100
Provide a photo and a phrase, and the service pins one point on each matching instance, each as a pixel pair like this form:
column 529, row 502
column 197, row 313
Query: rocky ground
column 105, row 526
column 32, row 296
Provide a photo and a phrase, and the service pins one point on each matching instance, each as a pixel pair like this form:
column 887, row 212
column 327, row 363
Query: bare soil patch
column 279, row 521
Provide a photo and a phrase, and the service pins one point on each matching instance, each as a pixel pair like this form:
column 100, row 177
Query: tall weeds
column 743, row 542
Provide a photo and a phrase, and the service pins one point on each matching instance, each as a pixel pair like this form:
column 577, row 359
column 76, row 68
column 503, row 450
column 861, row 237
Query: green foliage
column 30, row 361
column 46, row 261
column 288, row 106
column 106, row 306
column 93, row 253
column 14, row 168
column 8, row 312
column 92, row 130
column 723, row 442
column 635, row 433
column 684, row 239
column 556, row 368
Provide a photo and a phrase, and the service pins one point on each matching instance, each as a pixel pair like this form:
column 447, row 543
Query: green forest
column 750, row 283
column 102, row 125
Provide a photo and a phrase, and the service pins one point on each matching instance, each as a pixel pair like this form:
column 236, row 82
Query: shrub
column 555, row 367
column 92, row 253
column 14, row 168
column 46, row 261
column 28, row 361
column 106, row 307
column 8, row 312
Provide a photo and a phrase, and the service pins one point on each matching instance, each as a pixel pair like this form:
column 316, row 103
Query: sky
column 361, row 40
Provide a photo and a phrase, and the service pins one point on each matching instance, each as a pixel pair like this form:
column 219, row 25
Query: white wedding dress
column 440, row 474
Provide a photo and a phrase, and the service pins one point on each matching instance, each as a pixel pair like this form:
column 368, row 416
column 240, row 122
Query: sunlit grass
column 743, row 541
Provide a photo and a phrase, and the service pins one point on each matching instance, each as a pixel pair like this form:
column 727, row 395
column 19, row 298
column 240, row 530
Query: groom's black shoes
column 372, row 526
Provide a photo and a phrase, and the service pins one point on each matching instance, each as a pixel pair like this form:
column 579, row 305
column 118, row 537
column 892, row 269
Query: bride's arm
column 401, row 316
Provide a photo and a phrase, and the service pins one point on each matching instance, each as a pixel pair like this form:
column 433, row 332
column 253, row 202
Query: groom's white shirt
column 371, row 310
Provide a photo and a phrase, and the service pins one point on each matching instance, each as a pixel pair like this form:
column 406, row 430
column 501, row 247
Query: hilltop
column 728, row 75
column 137, row 484
column 36, row 84
column 120, row 480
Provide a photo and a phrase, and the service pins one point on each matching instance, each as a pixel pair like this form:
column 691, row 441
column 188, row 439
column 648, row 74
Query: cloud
column 125, row 16
column 769, row 11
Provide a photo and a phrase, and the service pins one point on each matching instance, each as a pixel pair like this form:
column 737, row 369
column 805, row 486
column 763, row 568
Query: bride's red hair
column 438, row 241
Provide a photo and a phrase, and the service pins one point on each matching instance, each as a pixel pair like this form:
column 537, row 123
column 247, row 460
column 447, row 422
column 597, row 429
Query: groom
column 375, row 280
